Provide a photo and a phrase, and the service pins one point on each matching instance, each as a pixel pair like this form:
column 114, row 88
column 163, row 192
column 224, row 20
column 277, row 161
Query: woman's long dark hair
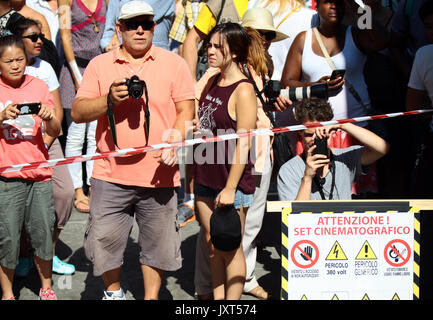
column 236, row 37
column 23, row 24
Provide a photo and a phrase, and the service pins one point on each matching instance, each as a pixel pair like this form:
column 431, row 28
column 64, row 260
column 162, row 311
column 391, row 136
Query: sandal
column 84, row 200
column 259, row 293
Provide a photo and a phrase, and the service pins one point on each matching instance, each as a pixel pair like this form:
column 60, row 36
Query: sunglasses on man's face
column 34, row 37
column 268, row 35
column 134, row 24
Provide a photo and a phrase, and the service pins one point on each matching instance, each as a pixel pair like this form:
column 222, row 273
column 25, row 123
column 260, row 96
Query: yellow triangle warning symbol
column 335, row 297
column 304, row 297
column 336, row 252
column 396, row 297
column 365, row 297
column 366, row 252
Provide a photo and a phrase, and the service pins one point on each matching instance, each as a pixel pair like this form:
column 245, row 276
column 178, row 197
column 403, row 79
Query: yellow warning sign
column 396, row 297
column 365, row 297
column 335, row 297
column 304, row 297
column 336, row 252
column 366, row 252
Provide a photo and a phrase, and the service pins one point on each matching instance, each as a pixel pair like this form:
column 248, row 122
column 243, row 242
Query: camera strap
column 146, row 113
column 110, row 117
column 259, row 95
column 320, row 182
column 112, row 121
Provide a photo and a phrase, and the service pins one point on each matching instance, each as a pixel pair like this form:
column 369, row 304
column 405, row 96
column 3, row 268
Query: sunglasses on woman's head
column 34, row 37
column 268, row 35
column 134, row 24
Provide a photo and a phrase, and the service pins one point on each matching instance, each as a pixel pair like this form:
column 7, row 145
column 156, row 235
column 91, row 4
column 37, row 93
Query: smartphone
column 337, row 72
column 321, row 146
column 29, row 108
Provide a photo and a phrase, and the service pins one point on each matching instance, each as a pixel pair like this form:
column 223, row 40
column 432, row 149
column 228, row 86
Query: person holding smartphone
column 327, row 175
column 27, row 196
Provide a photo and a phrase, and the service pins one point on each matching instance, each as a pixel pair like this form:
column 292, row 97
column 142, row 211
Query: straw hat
column 261, row 19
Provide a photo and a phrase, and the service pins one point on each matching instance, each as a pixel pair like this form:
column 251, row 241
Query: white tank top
column 352, row 60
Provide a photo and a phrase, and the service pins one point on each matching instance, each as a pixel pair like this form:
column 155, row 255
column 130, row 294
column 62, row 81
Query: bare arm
column 45, row 27
column 190, row 47
column 48, row 140
column 374, row 146
column 184, row 116
column 66, row 37
column 87, row 110
column 292, row 72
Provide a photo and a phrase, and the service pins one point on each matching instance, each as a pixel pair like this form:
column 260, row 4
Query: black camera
column 135, row 87
column 273, row 89
column 321, row 146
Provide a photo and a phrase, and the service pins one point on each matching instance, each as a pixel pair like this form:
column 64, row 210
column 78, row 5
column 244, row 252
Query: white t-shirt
column 52, row 18
column 421, row 76
column 44, row 71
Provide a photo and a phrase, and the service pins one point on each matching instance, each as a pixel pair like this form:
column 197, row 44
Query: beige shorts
column 112, row 210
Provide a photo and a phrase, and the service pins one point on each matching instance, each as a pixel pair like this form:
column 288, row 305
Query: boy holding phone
column 327, row 175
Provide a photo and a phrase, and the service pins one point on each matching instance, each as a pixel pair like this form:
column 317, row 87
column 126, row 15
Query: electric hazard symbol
column 366, row 252
column 336, row 253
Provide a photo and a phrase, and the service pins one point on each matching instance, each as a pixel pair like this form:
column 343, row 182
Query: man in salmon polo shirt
column 145, row 184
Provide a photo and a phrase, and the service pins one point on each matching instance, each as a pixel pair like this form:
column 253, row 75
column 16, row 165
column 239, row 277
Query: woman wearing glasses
column 30, row 32
column 81, row 30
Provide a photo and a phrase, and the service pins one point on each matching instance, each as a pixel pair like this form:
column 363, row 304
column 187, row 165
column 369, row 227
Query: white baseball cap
column 134, row 9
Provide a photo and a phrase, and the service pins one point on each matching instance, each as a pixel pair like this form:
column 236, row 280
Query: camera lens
column 135, row 87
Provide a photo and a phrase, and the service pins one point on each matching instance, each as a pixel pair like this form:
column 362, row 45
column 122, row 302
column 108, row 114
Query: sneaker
column 24, row 266
column 110, row 295
column 48, row 294
column 61, row 267
column 184, row 213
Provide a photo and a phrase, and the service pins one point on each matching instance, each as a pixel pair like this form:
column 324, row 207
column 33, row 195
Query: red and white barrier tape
column 185, row 143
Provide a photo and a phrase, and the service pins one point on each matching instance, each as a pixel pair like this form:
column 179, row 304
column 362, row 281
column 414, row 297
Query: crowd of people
column 86, row 76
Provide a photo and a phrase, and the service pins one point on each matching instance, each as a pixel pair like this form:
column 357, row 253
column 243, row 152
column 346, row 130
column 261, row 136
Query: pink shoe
column 48, row 294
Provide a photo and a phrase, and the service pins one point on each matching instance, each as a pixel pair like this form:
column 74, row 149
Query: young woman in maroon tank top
column 229, row 103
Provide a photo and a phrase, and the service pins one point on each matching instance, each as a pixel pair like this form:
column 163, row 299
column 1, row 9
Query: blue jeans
column 241, row 199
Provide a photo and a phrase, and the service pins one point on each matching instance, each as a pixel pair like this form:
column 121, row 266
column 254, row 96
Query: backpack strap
column 223, row 11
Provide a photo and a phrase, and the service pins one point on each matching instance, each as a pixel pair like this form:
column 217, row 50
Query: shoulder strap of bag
column 332, row 65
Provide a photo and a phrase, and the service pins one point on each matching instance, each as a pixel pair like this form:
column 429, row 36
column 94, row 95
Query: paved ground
column 177, row 285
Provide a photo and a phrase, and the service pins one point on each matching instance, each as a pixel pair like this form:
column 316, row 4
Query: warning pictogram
column 396, row 297
column 365, row 297
column 304, row 297
column 335, row 297
column 397, row 252
column 336, row 253
column 304, row 254
column 366, row 252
